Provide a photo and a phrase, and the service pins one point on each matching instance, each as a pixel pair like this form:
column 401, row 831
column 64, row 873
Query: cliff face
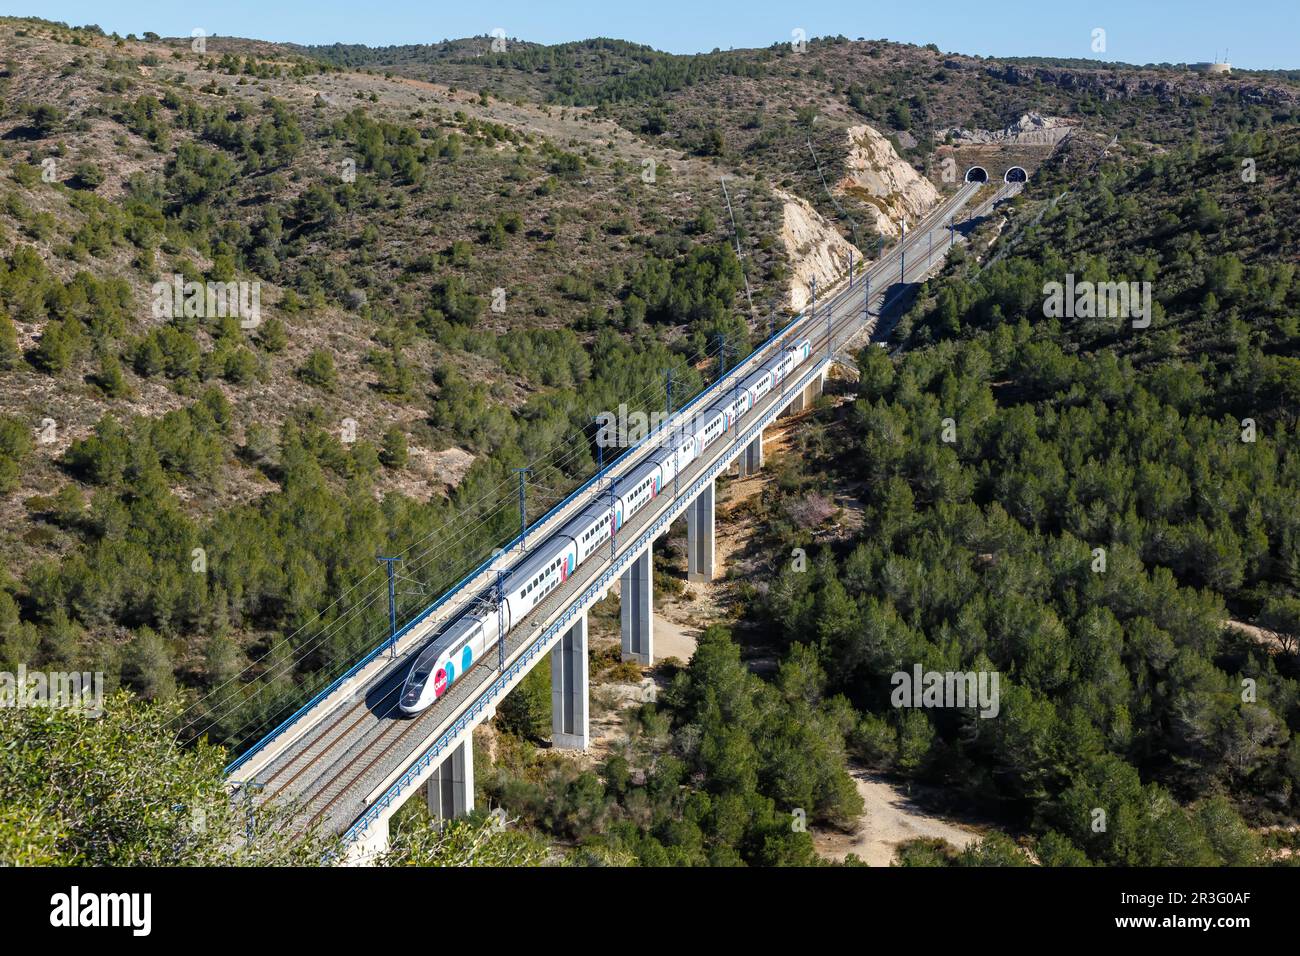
column 885, row 183
column 1032, row 129
column 1180, row 87
column 814, row 248
column 888, row 189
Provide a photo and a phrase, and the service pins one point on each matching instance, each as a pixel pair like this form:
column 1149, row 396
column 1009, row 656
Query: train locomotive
column 471, row 635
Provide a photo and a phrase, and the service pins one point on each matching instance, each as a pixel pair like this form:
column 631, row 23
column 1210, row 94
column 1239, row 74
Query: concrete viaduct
column 348, row 761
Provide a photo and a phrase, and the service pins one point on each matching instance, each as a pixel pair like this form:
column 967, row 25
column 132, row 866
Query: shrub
column 394, row 453
column 15, row 446
column 319, row 371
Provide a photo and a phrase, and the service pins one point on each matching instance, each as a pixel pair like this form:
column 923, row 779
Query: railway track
column 310, row 755
column 354, row 743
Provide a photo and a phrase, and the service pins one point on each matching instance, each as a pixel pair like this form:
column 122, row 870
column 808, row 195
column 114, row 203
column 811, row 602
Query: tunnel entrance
column 977, row 174
column 1016, row 174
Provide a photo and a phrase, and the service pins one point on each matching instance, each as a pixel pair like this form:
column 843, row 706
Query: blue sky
column 1261, row 34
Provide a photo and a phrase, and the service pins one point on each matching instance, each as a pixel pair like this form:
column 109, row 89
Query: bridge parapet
column 385, row 800
column 426, row 745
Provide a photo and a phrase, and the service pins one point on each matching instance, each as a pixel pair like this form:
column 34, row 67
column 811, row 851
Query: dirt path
column 1268, row 639
column 673, row 639
column 891, row 817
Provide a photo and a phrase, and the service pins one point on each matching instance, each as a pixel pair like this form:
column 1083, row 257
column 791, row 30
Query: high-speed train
column 471, row 635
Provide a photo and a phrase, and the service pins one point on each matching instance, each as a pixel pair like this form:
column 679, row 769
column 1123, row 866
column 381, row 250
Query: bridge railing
column 741, row 368
column 542, row 643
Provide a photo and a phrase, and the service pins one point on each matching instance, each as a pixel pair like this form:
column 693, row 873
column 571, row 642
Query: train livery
column 470, row 636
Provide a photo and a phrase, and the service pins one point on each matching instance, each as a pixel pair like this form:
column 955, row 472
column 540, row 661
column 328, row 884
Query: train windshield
column 422, row 669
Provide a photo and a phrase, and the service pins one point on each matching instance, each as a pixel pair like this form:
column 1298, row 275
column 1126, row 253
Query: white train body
column 464, row 642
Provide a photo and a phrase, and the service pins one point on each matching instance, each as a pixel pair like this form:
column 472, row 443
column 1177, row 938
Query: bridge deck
column 341, row 757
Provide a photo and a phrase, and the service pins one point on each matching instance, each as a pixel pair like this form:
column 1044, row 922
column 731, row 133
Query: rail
column 420, row 617
column 556, row 627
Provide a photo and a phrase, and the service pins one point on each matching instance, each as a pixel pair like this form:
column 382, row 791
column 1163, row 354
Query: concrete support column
column 751, row 459
column 569, row 724
column 798, row 403
column 367, row 850
column 637, row 599
column 699, row 536
column 804, row 398
column 450, row 789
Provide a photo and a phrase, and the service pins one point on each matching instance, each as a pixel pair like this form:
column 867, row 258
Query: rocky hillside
column 889, row 187
column 428, row 287
column 444, row 261
column 769, row 112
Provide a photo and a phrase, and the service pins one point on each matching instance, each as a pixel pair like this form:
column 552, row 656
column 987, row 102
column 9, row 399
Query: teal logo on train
column 566, row 568
column 466, row 658
column 451, row 673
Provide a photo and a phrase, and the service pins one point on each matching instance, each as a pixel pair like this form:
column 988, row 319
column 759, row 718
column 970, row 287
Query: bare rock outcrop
column 1174, row 87
column 886, row 183
column 814, row 248
column 1032, row 129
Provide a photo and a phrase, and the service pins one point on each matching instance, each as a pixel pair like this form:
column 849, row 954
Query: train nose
column 412, row 691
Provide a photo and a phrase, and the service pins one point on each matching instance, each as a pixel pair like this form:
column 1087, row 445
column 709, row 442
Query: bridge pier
column 368, row 850
column 636, row 595
column 806, row 396
column 570, row 729
column 450, row 789
column 699, row 536
column 751, row 459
